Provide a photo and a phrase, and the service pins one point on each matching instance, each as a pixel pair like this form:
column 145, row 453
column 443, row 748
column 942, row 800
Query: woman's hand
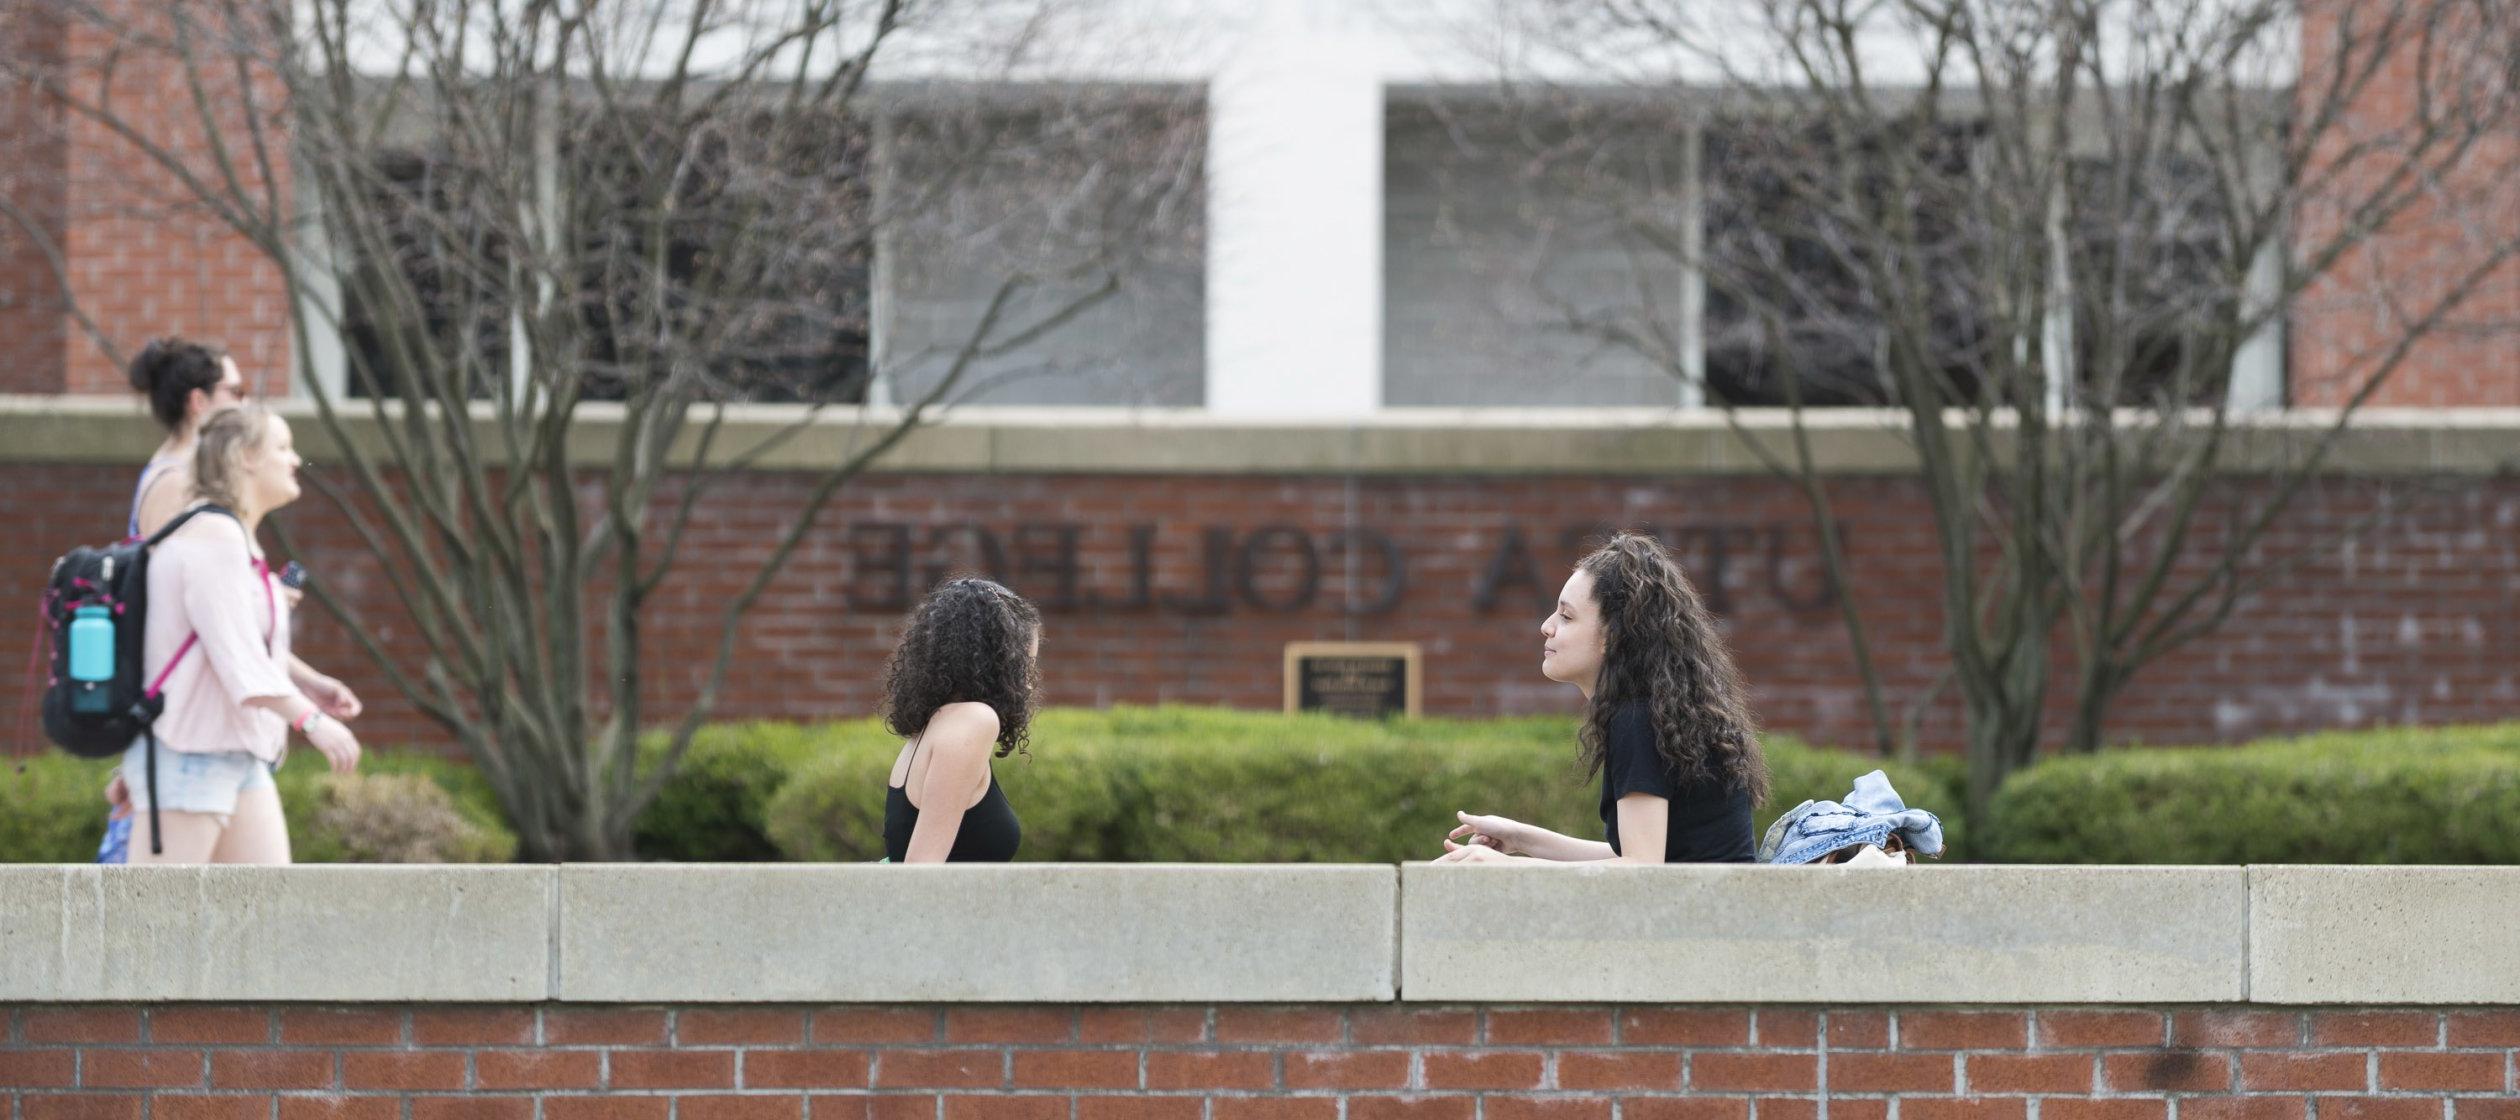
column 117, row 798
column 333, row 698
column 340, row 747
column 1472, row 853
column 1503, row 835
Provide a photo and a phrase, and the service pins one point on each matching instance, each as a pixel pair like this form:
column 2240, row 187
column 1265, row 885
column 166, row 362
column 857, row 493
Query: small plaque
column 1370, row 680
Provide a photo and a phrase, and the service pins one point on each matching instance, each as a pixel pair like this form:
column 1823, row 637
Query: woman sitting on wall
column 960, row 688
column 1666, row 725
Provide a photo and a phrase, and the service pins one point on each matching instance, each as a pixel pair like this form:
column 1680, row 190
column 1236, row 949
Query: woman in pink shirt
column 218, row 634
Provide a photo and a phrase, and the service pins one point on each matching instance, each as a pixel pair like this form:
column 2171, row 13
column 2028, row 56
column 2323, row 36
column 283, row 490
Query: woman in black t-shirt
column 1666, row 725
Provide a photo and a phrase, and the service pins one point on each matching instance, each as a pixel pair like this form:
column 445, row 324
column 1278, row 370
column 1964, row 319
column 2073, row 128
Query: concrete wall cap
column 1407, row 441
column 1820, row 934
column 1008, row 933
column 1157, row 933
column 335, row 933
column 2384, row 934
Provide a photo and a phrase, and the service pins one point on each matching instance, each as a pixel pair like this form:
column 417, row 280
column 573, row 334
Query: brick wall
column 1193, row 1062
column 2353, row 317
column 143, row 255
column 147, row 257
column 32, row 322
column 2388, row 613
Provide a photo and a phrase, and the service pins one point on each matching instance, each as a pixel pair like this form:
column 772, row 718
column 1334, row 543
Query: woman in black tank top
column 960, row 689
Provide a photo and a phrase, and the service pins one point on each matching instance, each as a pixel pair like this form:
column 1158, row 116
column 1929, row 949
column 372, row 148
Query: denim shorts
column 193, row 782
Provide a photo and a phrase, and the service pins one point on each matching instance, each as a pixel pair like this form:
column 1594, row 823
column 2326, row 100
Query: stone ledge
column 339, row 933
column 970, row 934
column 1650, row 442
column 1822, row 934
column 1358, row 933
column 2384, row 935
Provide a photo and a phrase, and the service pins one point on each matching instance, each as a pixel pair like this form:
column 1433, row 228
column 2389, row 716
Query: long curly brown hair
column 969, row 640
column 1660, row 645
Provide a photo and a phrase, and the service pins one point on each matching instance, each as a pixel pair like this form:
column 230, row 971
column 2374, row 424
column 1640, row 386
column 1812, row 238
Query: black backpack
column 99, row 719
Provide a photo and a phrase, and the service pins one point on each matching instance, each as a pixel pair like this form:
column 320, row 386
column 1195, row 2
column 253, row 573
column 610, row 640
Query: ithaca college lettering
column 1069, row 567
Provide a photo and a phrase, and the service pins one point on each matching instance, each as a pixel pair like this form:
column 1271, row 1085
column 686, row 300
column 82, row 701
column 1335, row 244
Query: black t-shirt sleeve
column 1629, row 762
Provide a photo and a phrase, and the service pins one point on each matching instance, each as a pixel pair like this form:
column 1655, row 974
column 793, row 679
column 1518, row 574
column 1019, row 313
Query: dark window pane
column 1793, row 243
column 413, row 234
column 2157, row 285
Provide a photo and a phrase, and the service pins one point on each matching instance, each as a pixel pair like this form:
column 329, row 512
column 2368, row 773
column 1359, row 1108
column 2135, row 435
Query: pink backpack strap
column 159, row 685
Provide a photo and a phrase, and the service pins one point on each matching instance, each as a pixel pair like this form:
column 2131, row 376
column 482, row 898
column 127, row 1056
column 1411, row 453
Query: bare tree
column 2044, row 235
column 523, row 215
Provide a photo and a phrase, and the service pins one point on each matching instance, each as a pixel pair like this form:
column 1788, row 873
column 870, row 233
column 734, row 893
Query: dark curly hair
column 1660, row 645
column 969, row 640
column 169, row 369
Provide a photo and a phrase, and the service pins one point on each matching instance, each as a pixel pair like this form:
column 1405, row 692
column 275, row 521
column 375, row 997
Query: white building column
column 1295, row 218
column 2257, row 368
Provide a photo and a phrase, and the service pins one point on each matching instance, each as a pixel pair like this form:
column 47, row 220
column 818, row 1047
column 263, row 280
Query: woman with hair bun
column 185, row 382
column 1666, row 723
column 960, row 688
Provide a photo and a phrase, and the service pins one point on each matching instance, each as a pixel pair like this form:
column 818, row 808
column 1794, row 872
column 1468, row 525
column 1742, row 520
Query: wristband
column 301, row 723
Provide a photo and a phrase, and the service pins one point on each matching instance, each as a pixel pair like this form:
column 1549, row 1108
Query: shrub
column 1177, row 784
column 2436, row 795
column 396, row 818
column 715, row 807
column 305, row 781
column 52, row 807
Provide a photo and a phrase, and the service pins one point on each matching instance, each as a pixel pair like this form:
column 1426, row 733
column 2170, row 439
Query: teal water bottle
column 91, row 659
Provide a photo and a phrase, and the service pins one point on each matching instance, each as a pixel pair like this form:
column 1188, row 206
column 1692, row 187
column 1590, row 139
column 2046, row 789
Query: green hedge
column 52, row 807
column 1211, row 785
column 2431, row 795
column 714, row 809
column 1177, row 784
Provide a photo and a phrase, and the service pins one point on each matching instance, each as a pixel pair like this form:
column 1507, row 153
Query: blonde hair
column 227, row 437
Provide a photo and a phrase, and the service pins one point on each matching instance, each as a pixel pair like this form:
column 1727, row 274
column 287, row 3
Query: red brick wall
column 1192, row 1062
column 144, row 256
column 32, row 324
column 2397, row 607
column 2349, row 321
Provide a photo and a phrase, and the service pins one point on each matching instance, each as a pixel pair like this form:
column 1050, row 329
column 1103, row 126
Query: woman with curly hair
column 960, row 689
column 1666, row 724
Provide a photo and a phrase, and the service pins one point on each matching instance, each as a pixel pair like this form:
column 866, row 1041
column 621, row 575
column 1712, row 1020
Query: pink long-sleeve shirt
column 209, row 580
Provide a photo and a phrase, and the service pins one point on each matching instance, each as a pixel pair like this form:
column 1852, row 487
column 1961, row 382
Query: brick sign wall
column 2395, row 607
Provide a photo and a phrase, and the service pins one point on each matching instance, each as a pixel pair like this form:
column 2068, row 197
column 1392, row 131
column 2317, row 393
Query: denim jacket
column 1869, row 815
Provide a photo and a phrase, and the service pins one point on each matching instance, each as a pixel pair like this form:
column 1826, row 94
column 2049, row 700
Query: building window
column 1597, row 251
column 765, row 245
column 2148, row 253
column 1521, row 264
column 1086, row 206
column 413, row 226
column 1790, row 252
